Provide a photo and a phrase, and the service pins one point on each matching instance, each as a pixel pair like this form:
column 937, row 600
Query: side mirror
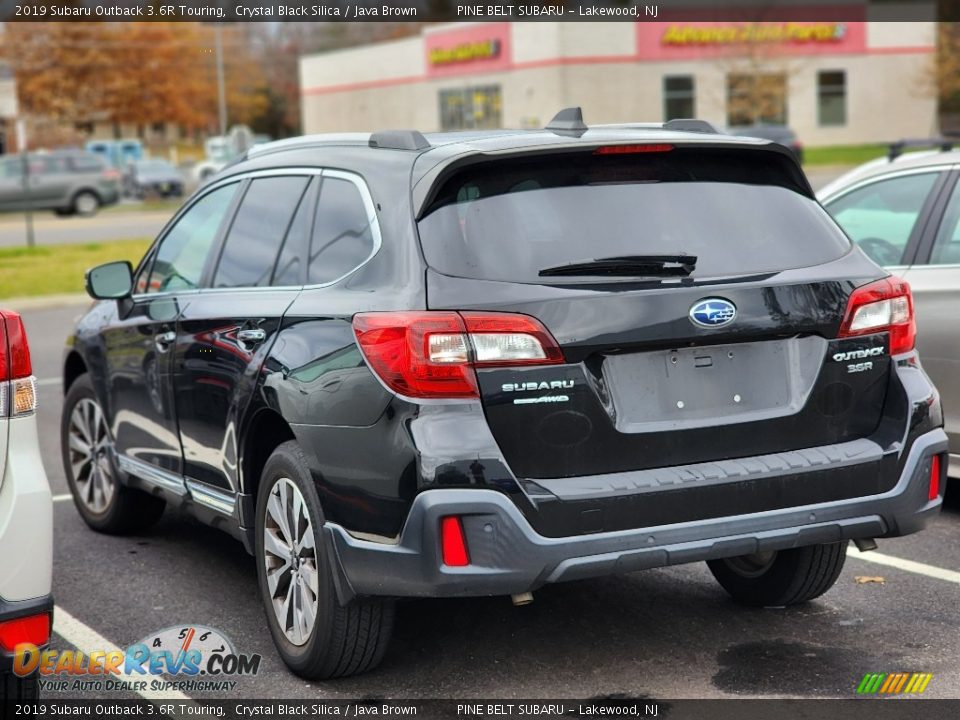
column 110, row 281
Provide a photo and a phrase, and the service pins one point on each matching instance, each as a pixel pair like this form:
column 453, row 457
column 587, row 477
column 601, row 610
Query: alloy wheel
column 90, row 447
column 290, row 559
column 752, row 566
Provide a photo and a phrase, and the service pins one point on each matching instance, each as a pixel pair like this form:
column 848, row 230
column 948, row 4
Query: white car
column 26, row 514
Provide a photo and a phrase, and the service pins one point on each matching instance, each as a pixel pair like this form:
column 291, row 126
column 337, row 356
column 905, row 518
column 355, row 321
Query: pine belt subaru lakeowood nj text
column 405, row 365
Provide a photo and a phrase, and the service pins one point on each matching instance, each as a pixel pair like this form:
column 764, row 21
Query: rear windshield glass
column 738, row 212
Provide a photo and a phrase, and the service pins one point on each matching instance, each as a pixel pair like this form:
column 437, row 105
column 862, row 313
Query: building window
column 756, row 98
column 678, row 97
column 832, row 97
column 471, row 108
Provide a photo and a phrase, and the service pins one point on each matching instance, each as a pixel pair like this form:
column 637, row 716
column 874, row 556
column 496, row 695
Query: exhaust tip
column 524, row 598
column 865, row 544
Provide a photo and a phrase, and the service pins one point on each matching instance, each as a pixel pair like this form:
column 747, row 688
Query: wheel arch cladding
column 267, row 431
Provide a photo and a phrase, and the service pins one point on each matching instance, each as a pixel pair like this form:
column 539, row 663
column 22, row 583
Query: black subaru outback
column 405, row 365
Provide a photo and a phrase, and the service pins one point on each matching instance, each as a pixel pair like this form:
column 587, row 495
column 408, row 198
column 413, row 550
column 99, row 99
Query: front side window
column 832, row 97
column 881, row 216
column 184, row 249
column 257, row 232
column 342, row 231
column 678, row 97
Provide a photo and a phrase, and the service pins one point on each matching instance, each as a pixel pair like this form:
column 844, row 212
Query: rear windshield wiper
column 628, row 266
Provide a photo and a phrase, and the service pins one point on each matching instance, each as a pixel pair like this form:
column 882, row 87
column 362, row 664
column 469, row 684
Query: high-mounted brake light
column 453, row 542
column 632, row 149
column 18, row 391
column 882, row 306
column 33, row 629
column 433, row 354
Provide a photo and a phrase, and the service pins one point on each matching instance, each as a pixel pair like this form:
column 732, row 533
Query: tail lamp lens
column 882, row 306
column 18, row 388
column 434, row 354
column 33, row 629
column 453, row 542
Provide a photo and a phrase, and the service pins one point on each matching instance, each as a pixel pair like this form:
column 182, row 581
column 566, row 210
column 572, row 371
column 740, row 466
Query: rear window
column 738, row 212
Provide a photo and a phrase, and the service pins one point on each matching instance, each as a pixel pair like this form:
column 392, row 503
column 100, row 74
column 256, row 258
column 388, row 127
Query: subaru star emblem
column 713, row 313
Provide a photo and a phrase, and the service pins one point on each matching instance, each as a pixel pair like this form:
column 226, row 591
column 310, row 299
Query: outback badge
column 712, row 312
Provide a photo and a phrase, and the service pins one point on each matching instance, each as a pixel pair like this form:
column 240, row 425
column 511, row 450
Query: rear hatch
column 705, row 332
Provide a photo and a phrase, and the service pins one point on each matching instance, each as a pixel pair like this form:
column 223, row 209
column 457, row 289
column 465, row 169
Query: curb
column 44, row 302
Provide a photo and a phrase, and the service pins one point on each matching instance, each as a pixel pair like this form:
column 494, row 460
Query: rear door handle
column 164, row 339
column 252, row 336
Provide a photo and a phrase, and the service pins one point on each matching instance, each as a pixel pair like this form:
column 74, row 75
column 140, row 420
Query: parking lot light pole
column 221, row 85
column 22, row 147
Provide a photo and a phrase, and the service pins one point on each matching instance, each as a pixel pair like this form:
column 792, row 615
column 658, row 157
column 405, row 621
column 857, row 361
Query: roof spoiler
column 896, row 148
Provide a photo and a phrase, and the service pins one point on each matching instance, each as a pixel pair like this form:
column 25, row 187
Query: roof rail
column 691, row 125
column 399, row 140
column 896, row 148
column 568, row 121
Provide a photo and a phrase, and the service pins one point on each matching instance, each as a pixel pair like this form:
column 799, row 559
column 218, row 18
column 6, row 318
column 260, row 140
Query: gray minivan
column 66, row 181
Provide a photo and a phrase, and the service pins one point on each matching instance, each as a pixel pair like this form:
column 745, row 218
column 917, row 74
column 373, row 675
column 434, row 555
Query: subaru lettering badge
column 713, row 312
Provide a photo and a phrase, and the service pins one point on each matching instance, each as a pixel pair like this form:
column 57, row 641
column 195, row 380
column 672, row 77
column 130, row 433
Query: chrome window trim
column 354, row 178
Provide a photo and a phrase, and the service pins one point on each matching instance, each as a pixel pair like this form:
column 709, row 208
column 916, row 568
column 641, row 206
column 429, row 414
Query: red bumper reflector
column 34, row 629
column 453, row 542
column 934, row 478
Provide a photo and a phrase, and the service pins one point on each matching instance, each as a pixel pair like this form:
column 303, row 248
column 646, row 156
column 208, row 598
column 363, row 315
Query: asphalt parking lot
column 661, row 634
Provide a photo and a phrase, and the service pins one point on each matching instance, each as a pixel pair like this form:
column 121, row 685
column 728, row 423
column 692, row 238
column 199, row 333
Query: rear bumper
column 508, row 556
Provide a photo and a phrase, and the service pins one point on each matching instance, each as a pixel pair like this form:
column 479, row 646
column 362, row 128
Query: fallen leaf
column 864, row 579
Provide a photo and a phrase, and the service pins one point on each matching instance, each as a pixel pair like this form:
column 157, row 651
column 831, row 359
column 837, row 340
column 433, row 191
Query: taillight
column 434, row 354
column 112, row 175
column 453, row 542
column 18, row 389
column 33, row 629
column 632, row 149
column 882, row 306
column 934, row 491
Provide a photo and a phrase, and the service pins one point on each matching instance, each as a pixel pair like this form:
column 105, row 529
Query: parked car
column 775, row 133
column 406, row 365
column 903, row 211
column 66, row 181
column 26, row 514
column 152, row 177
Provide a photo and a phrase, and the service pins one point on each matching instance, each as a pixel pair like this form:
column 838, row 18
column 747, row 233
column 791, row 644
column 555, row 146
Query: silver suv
column 66, row 181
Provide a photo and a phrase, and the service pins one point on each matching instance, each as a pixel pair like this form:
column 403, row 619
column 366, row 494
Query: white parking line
column 88, row 640
column 62, row 498
column 48, row 381
column 908, row 565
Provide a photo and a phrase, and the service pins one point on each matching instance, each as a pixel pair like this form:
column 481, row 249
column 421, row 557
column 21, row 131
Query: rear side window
column 87, row 163
column 343, row 231
column 184, row 249
column 257, row 232
column 738, row 212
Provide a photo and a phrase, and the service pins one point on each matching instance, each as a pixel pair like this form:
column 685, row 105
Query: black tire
column 344, row 640
column 129, row 509
column 14, row 688
column 86, row 203
column 789, row 577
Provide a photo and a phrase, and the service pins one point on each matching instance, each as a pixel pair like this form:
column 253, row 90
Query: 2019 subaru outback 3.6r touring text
column 26, row 516
column 399, row 365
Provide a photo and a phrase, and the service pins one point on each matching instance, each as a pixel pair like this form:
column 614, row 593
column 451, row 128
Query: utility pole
column 221, row 84
column 22, row 147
